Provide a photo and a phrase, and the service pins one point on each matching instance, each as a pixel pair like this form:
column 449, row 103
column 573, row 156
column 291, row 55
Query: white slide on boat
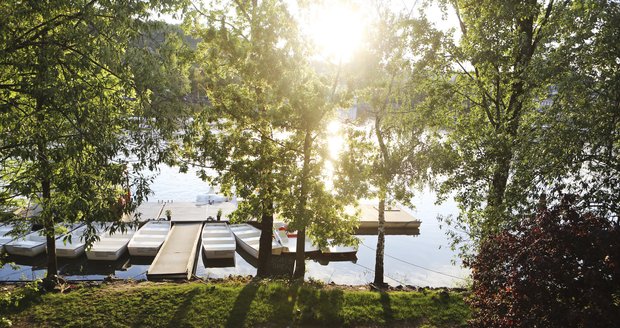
column 218, row 242
column 148, row 240
column 110, row 247
column 248, row 238
column 289, row 239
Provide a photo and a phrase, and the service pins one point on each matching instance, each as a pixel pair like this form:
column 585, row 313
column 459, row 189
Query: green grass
column 262, row 304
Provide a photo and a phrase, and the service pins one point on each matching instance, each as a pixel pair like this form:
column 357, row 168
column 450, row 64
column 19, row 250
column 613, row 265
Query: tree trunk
column 266, row 237
column 380, row 245
column 300, row 255
column 499, row 181
column 48, row 228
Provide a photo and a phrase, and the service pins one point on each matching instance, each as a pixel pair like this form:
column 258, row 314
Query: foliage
column 254, row 304
column 559, row 268
column 583, row 122
column 388, row 151
column 12, row 301
column 74, row 95
column 260, row 131
column 510, row 95
column 246, row 54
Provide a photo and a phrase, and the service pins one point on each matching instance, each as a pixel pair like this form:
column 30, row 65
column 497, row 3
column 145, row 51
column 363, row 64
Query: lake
column 420, row 260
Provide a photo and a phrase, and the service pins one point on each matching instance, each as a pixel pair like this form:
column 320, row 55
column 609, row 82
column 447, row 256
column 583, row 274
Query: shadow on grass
column 388, row 314
column 239, row 312
column 183, row 308
column 320, row 306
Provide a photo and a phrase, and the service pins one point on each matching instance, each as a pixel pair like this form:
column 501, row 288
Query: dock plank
column 177, row 256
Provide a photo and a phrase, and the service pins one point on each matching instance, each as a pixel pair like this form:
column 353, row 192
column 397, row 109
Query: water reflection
column 405, row 263
column 420, row 257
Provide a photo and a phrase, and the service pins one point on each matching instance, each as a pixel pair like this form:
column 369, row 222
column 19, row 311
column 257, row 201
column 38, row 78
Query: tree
column 66, row 109
column 386, row 157
column 262, row 128
column 310, row 205
column 558, row 268
column 516, row 96
column 585, row 109
column 247, row 48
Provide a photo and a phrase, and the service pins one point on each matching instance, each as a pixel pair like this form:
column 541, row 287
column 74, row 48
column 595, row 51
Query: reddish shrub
column 559, row 268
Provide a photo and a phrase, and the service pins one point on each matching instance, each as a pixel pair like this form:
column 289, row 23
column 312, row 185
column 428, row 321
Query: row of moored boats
column 219, row 241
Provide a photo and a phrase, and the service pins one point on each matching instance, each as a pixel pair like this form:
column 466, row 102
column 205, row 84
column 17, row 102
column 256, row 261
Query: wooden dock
column 185, row 211
column 398, row 221
column 177, row 257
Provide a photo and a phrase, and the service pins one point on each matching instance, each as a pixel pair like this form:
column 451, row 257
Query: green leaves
column 77, row 104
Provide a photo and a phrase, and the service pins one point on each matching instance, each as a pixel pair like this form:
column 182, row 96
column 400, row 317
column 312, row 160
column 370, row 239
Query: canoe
column 248, row 238
column 33, row 243
column 110, row 247
column 149, row 238
column 74, row 247
column 218, row 242
column 288, row 239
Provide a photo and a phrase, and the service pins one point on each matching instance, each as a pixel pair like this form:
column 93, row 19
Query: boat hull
column 218, row 241
column 148, row 240
column 248, row 238
column 106, row 255
column 144, row 251
column 29, row 251
column 70, row 252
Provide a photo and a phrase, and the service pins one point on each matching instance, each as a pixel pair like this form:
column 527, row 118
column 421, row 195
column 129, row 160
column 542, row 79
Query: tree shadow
column 388, row 314
column 319, row 307
column 239, row 311
column 183, row 308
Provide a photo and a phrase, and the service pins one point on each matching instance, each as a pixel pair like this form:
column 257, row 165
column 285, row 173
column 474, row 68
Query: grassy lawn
column 262, row 304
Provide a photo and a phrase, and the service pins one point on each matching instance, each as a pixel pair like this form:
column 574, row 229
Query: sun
column 336, row 29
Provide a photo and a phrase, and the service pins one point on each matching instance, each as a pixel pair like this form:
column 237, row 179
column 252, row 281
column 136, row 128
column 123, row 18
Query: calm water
column 422, row 260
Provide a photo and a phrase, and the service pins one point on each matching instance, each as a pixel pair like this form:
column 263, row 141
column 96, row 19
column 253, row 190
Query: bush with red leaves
column 560, row 268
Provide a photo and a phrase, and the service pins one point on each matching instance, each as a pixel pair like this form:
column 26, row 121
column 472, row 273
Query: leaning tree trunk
column 266, row 237
column 380, row 245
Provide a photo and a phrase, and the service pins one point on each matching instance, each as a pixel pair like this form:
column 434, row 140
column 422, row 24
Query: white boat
column 73, row 247
column 4, row 235
column 218, row 242
column 210, row 197
column 288, row 239
column 248, row 238
column 148, row 240
column 32, row 244
column 110, row 247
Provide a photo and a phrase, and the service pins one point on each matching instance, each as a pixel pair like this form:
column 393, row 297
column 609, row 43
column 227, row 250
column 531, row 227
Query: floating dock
column 185, row 211
column 398, row 221
column 177, row 257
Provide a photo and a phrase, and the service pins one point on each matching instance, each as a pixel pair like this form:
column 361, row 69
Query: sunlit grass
column 276, row 304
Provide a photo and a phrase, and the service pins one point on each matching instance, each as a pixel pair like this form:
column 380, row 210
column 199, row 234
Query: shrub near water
column 559, row 268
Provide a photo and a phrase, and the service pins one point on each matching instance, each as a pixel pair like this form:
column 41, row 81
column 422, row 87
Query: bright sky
column 336, row 26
